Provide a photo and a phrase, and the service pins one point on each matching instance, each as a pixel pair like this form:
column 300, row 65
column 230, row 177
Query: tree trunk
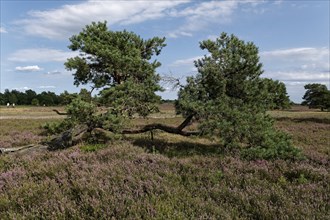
column 75, row 135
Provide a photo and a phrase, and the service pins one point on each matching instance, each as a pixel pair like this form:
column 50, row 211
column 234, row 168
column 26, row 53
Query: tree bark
column 67, row 138
column 169, row 129
column 166, row 128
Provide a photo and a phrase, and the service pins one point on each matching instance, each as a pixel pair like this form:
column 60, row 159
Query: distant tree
column 317, row 96
column 48, row 98
column 30, row 95
column 277, row 95
column 6, row 95
column 12, row 98
column 66, row 97
column 35, row 102
column 25, row 98
column 2, row 99
column 171, row 101
column 21, row 97
column 85, row 95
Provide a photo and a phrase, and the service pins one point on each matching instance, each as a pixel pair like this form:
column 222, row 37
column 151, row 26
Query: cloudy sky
column 292, row 36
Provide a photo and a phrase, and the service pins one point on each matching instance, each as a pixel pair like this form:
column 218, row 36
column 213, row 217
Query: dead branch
column 15, row 149
column 60, row 113
column 169, row 80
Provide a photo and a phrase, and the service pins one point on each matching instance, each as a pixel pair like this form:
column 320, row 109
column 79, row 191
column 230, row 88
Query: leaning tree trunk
column 75, row 135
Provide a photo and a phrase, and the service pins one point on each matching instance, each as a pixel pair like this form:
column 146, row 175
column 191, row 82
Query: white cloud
column 186, row 62
column 303, row 64
column 62, row 22
column 304, row 53
column 3, row 30
column 178, row 33
column 278, row 2
column 295, row 83
column 204, row 14
column 21, row 88
column 28, row 68
column 212, row 37
column 297, row 75
column 47, row 87
column 41, row 55
column 55, row 72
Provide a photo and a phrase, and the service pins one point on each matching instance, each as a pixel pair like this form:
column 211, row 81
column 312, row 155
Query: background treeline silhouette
column 47, row 98
column 30, row 97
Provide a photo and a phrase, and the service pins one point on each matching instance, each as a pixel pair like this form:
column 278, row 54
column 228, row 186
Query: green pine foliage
column 230, row 100
column 227, row 97
column 120, row 63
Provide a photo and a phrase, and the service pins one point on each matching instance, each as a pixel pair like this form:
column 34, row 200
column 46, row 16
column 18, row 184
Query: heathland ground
column 169, row 177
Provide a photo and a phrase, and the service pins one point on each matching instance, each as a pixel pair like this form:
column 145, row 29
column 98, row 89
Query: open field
column 170, row 177
column 28, row 112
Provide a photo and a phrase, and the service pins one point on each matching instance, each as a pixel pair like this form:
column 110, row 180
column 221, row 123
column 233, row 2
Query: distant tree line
column 47, row 98
column 30, row 97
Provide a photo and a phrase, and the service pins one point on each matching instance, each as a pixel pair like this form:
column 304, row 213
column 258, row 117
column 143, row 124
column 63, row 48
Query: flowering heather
column 123, row 181
column 16, row 138
column 170, row 177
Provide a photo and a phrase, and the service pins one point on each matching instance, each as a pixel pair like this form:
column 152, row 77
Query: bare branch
column 170, row 80
column 60, row 113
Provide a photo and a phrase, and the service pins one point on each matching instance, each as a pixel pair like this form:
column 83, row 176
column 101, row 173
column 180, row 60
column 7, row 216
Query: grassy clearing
column 29, row 112
column 171, row 177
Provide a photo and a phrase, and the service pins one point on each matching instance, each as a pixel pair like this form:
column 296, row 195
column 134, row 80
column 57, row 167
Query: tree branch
column 75, row 135
column 166, row 128
column 169, row 129
column 15, row 149
column 60, row 113
column 186, row 122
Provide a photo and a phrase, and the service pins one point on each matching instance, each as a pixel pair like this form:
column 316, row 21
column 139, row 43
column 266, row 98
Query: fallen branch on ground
column 15, row 149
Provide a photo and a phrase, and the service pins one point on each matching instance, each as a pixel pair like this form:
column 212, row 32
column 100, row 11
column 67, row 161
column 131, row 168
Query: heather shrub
column 92, row 147
column 170, row 177
column 123, row 181
column 16, row 138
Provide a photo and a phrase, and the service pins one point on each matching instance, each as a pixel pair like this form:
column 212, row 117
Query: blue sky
column 292, row 36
